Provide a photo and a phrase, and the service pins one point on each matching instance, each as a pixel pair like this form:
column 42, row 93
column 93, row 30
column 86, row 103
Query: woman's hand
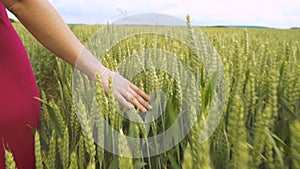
column 125, row 92
column 128, row 94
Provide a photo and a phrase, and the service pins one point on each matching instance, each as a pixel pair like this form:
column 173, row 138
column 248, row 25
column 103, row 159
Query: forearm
column 45, row 24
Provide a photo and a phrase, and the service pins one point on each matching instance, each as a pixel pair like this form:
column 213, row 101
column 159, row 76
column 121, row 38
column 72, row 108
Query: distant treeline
column 236, row 26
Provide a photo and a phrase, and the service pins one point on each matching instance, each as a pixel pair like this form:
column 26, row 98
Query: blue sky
column 272, row 13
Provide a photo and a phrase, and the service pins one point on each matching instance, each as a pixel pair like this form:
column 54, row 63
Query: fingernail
column 144, row 110
column 149, row 107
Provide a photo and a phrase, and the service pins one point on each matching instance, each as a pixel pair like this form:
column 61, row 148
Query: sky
column 271, row 13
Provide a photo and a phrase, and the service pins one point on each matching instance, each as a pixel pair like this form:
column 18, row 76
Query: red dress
column 18, row 107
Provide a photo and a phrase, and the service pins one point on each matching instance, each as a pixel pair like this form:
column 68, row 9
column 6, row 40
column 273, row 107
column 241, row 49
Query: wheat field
column 259, row 126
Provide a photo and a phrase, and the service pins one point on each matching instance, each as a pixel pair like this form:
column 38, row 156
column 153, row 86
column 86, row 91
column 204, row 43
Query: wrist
column 88, row 64
column 101, row 71
column 104, row 73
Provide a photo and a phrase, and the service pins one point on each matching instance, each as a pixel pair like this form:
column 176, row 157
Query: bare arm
column 46, row 25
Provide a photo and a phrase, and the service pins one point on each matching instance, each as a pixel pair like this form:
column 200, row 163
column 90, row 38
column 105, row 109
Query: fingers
column 129, row 93
column 130, row 99
column 139, row 91
column 123, row 101
column 137, row 100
